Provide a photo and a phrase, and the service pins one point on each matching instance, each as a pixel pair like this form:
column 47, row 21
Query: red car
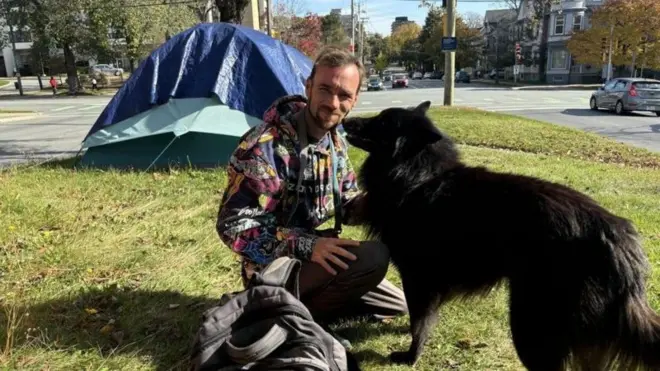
column 399, row 81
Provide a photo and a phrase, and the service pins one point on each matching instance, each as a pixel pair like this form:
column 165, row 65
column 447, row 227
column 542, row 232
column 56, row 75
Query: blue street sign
column 449, row 44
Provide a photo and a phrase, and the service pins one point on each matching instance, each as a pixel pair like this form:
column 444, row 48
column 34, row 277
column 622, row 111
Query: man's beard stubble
column 318, row 122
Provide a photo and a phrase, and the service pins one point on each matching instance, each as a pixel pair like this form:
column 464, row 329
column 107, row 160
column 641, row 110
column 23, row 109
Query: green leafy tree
column 381, row 62
column 377, row 45
column 333, row 30
column 142, row 25
column 78, row 27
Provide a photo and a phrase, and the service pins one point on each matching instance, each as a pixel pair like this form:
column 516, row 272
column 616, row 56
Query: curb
column 556, row 87
column 18, row 117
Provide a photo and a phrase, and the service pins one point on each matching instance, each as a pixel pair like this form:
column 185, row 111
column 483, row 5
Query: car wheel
column 592, row 104
column 619, row 108
column 657, row 113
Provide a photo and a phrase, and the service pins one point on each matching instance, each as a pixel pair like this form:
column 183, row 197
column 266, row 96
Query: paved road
column 65, row 121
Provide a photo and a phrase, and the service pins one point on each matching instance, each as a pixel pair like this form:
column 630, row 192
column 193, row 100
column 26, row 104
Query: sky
column 381, row 13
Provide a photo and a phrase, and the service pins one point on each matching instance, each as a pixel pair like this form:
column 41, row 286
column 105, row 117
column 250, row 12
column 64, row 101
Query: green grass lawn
column 111, row 270
column 4, row 82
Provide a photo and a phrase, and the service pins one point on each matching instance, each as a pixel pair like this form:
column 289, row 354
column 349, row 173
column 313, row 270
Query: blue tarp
column 246, row 69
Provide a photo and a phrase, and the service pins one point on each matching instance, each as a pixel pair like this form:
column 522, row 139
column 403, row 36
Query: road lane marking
column 63, row 108
column 88, row 108
column 397, row 101
column 551, row 100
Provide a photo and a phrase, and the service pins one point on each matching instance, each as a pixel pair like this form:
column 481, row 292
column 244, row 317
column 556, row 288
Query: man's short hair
column 332, row 56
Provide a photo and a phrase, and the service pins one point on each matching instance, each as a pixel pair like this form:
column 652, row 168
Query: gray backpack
column 266, row 327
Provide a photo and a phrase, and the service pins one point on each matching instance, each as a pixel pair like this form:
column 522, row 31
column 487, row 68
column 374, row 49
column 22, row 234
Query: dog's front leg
column 423, row 309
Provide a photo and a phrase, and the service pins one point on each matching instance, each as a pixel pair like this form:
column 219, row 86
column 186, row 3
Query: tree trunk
column 70, row 67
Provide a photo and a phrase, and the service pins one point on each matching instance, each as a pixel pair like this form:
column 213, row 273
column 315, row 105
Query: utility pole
column 353, row 27
column 357, row 25
column 269, row 15
column 450, row 56
column 362, row 38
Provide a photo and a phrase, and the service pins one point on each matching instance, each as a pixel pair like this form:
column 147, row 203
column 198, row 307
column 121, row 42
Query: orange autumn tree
column 402, row 37
column 635, row 36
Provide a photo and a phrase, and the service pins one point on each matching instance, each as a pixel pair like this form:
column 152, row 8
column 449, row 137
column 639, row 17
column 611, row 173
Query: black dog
column 576, row 272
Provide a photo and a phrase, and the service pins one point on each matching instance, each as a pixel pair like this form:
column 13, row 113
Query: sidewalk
column 523, row 86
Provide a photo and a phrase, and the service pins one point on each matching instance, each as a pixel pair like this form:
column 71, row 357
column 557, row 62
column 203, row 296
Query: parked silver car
column 628, row 94
column 106, row 69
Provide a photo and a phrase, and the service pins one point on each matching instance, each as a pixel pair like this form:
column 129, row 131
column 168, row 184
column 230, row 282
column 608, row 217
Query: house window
column 558, row 60
column 559, row 25
column 577, row 22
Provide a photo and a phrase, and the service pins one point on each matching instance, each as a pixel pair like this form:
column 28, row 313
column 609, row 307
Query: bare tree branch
column 512, row 4
column 473, row 19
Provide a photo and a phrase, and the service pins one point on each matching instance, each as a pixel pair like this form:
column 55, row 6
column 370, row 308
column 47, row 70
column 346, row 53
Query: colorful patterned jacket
column 255, row 217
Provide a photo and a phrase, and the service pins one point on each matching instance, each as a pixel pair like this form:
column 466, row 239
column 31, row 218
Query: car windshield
column 399, row 77
column 374, row 79
column 647, row 85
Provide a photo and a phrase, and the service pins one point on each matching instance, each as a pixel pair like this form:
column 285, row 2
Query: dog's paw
column 402, row 358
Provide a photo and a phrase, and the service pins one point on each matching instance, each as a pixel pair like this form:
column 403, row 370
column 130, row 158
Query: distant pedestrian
column 53, row 85
column 94, row 86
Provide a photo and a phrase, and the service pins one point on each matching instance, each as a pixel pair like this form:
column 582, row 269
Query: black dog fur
column 576, row 272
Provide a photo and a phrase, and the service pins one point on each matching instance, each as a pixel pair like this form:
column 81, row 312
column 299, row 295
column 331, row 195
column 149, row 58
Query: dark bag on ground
column 266, row 327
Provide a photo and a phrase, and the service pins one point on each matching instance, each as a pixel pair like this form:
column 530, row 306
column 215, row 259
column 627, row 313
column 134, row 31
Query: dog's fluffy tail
column 639, row 337
column 636, row 332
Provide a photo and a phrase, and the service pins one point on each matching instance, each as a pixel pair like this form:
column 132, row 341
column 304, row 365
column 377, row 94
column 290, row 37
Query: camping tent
column 193, row 97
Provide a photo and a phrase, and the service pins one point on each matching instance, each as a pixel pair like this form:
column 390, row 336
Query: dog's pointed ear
column 423, row 107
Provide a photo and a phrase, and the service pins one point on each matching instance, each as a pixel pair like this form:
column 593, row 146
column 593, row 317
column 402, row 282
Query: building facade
column 400, row 21
column 567, row 17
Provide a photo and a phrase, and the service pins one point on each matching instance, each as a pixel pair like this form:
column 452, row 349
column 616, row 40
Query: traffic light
column 603, row 44
column 518, row 53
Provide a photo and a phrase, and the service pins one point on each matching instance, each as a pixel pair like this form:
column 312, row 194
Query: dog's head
column 394, row 132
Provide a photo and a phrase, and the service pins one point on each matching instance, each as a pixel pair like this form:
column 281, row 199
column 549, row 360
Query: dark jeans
column 361, row 290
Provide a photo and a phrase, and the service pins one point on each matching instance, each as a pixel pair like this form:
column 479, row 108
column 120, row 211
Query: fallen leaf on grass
column 469, row 344
column 91, row 311
column 105, row 330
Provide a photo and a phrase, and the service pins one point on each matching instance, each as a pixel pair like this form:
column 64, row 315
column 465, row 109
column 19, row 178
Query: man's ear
column 423, row 107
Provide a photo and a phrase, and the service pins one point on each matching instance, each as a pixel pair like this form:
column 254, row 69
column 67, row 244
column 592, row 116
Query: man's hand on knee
column 329, row 249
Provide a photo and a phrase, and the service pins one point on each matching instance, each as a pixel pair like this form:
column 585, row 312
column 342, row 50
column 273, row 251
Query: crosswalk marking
column 396, row 101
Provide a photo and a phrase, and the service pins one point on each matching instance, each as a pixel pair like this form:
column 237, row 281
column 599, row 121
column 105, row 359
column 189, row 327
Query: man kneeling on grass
column 268, row 210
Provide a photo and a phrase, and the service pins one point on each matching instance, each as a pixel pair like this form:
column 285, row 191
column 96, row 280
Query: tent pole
column 161, row 153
